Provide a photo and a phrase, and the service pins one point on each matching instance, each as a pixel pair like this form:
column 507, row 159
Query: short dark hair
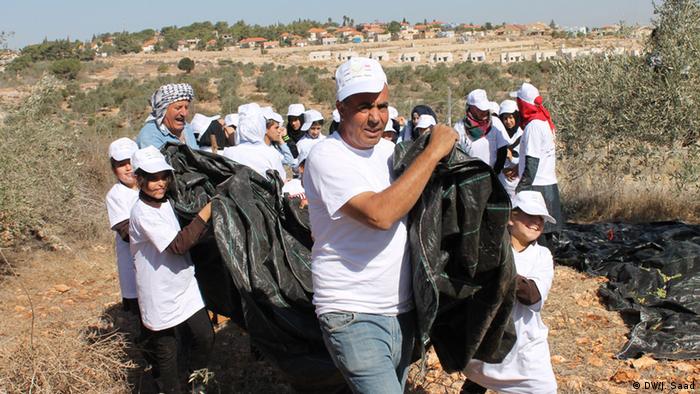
column 142, row 177
column 317, row 123
column 117, row 163
column 269, row 123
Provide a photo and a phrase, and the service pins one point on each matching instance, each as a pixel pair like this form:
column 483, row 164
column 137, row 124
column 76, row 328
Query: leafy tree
column 552, row 25
column 66, row 68
column 394, row 27
column 186, row 64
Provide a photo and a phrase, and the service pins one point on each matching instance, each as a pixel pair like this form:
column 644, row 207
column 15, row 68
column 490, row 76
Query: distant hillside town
column 205, row 36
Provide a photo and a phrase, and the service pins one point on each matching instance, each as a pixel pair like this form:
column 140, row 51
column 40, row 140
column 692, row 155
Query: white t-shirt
column 260, row 157
column 510, row 185
column 527, row 368
column 306, row 143
column 354, row 268
column 120, row 199
column 485, row 147
column 167, row 289
column 538, row 142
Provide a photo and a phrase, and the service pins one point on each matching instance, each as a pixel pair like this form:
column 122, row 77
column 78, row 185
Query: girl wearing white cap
column 527, row 367
column 536, row 168
column 480, row 134
column 120, row 198
column 295, row 119
column 169, row 298
column 510, row 117
column 313, row 121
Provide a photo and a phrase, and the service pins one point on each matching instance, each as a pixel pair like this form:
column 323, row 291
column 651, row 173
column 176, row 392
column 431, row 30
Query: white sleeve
column 501, row 138
column 118, row 209
column 542, row 275
column 334, row 180
column 155, row 227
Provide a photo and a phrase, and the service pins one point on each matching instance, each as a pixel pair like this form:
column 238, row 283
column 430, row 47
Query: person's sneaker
column 198, row 380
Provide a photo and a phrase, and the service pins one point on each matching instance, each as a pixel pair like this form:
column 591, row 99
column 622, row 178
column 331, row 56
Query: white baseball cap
column 359, row 75
column 527, row 93
column 532, row 203
column 122, row 149
column 200, row 123
column 389, row 125
column 310, row 116
column 336, row 116
column 270, row 114
column 150, row 160
column 295, row 109
column 393, row 112
column 508, row 107
column 478, row 98
column 425, row 121
column 494, row 107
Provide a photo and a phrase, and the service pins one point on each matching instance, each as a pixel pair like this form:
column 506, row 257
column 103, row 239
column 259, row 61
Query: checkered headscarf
column 166, row 95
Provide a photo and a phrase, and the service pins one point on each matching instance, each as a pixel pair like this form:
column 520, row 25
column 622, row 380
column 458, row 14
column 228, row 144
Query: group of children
column 156, row 274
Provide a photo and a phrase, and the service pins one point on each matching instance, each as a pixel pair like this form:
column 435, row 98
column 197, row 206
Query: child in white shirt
column 168, row 294
column 120, row 198
column 527, row 367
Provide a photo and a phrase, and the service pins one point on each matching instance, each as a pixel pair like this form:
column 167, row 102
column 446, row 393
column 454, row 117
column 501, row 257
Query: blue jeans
column 372, row 351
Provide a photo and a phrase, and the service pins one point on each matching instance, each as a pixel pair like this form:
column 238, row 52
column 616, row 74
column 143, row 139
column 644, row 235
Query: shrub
column 66, row 68
column 186, row 64
column 162, row 68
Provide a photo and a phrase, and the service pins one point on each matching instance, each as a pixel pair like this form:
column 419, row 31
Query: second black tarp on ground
column 654, row 280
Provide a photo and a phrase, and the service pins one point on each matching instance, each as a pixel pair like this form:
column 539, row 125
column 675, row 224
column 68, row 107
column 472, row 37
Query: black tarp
column 255, row 267
column 654, row 280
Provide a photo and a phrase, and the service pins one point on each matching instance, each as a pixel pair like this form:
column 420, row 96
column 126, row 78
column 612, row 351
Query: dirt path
column 82, row 341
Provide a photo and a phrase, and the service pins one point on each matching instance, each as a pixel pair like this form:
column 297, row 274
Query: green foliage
column 186, row 64
column 324, row 91
column 66, row 68
column 162, row 68
column 127, row 43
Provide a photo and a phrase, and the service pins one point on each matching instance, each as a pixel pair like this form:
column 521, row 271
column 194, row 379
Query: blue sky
column 33, row 20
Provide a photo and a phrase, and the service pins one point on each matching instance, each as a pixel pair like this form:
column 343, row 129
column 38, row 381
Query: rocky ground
column 62, row 329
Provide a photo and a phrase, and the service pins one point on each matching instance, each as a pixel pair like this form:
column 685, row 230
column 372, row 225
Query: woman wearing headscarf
column 170, row 106
column 536, row 167
column 510, row 117
column 295, row 119
column 481, row 135
column 252, row 151
column 408, row 133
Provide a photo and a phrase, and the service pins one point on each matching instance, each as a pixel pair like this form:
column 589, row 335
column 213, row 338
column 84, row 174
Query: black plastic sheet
column 654, row 280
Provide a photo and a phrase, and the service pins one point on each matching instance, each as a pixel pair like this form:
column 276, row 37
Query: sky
column 30, row 21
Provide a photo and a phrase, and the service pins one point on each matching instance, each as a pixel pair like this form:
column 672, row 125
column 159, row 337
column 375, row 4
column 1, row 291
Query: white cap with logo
column 359, row 75
column 532, row 203
column 527, row 93
column 295, row 109
column 150, row 160
column 122, row 149
column 310, row 117
column 508, row 107
column 478, row 98
column 425, row 121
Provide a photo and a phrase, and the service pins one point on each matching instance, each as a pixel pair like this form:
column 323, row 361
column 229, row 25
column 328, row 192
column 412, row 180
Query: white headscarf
column 251, row 124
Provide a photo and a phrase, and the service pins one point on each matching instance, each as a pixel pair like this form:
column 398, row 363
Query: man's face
column 314, row 130
column 123, row 172
column 364, row 116
column 175, row 116
column 273, row 132
column 508, row 120
column 478, row 114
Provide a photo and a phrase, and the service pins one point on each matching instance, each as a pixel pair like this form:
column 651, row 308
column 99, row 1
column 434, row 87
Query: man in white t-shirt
column 360, row 265
column 481, row 135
